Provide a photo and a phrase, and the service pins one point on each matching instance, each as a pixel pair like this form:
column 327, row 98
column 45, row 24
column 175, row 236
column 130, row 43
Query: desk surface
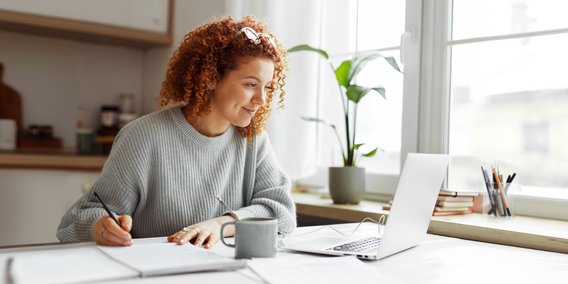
column 437, row 259
column 522, row 231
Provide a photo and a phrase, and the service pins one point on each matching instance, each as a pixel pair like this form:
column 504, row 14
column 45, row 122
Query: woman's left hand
column 205, row 234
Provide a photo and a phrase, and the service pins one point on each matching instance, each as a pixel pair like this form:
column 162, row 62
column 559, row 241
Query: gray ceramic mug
column 254, row 237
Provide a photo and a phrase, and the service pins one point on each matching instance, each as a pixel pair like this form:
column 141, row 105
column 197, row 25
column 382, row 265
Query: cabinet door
column 32, row 202
column 135, row 23
column 148, row 15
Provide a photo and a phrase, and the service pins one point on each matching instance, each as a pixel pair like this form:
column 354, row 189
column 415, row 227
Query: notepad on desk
column 147, row 257
column 151, row 259
column 68, row 265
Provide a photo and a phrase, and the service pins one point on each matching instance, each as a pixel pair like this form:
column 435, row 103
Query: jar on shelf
column 85, row 140
column 127, row 103
column 109, row 116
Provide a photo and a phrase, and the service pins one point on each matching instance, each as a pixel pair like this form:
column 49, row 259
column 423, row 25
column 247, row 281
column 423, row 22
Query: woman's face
column 242, row 91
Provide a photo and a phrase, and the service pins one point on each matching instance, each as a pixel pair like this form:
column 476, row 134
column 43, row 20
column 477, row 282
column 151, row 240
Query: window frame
column 434, row 106
column 426, row 54
column 382, row 185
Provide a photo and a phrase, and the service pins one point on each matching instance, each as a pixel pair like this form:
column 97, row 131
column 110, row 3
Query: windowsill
column 520, row 231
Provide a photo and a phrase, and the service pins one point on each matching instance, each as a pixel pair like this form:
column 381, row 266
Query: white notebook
column 152, row 259
column 146, row 257
column 68, row 265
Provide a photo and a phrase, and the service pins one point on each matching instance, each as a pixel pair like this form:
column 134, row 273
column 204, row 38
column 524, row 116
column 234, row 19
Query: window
column 535, row 138
column 502, row 92
column 482, row 84
column 350, row 27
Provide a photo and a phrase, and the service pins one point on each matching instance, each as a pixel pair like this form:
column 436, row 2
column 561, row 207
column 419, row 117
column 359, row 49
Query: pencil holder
column 497, row 203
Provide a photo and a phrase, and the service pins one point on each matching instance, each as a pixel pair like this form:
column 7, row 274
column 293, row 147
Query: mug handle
column 223, row 236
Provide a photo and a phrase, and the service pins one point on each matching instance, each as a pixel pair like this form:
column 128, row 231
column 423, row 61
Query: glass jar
column 109, row 115
column 127, row 103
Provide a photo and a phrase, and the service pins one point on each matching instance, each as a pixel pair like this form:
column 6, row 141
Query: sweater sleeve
column 116, row 187
column 271, row 191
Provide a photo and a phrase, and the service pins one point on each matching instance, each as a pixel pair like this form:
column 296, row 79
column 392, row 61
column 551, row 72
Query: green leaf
column 305, row 47
column 371, row 153
column 313, row 119
column 356, row 93
column 392, row 62
column 342, row 73
column 360, row 62
column 356, row 146
column 381, row 91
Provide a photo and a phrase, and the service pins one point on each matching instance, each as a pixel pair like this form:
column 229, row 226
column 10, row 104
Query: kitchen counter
column 66, row 159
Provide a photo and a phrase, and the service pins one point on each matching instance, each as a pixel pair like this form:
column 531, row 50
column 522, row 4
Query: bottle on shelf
column 108, row 129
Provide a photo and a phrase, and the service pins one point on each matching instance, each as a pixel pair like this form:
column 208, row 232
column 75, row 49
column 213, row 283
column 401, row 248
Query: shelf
column 83, row 30
column 520, row 231
column 63, row 160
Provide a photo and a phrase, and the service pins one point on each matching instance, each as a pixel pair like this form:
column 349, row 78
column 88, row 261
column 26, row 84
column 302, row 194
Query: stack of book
column 453, row 203
column 456, row 203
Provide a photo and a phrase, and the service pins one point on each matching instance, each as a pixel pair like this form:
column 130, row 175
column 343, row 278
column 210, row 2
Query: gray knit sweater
column 165, row 174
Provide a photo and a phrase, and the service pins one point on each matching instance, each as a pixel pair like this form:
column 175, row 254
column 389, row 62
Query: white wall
column 61, row 81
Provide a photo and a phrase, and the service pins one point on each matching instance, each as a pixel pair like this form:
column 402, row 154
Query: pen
column 509, row 181
column 503, row 198
column 106, row 209
column 487, row 186
column 226, row 207
column 511, row 178
column 8, row 273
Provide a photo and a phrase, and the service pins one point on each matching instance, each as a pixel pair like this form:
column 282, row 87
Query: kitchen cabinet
column 32, row 202
column 138, row 23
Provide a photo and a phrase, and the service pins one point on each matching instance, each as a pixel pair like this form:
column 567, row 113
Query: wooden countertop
column 520, row 231
column 59, row 159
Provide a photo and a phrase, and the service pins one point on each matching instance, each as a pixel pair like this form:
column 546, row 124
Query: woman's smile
column 250, row 111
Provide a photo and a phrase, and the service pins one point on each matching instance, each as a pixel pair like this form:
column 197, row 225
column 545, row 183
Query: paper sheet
column 286, row 269
column 69, row 265
column 146, row 257
column 161, row 257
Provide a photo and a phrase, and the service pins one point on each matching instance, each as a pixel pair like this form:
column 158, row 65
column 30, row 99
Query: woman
column 167, row 169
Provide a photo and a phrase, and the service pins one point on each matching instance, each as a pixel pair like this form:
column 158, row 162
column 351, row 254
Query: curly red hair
column 208, row 53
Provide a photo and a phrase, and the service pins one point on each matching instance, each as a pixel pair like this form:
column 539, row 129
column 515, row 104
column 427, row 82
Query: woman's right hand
column 107, row 233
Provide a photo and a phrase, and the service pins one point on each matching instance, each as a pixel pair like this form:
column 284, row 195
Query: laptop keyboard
column 359, row 245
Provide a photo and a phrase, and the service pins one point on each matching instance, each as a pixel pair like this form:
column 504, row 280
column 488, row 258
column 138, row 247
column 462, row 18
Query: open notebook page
column 158, row 257
column 65, row 265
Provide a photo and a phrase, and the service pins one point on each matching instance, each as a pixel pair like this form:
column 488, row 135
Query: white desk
column 436, row 260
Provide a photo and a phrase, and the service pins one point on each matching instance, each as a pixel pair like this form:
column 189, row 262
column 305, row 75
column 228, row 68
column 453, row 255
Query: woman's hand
column 206, row 233
column 106, row 231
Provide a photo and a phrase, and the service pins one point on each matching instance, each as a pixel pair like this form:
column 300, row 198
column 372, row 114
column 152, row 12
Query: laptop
column 408, row 219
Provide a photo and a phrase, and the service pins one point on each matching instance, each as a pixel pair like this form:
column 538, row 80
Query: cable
column 380, row 223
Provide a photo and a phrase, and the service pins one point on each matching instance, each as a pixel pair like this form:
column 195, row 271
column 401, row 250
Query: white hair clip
column 255, row 36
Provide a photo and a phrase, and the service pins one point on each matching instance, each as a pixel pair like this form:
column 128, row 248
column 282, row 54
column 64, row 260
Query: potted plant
column 347, row 183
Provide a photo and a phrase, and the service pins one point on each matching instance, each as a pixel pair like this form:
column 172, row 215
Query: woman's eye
column 251, row 85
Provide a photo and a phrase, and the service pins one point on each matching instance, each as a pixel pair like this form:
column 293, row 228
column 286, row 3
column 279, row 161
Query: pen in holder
column 493, row 202
column 496, row 200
